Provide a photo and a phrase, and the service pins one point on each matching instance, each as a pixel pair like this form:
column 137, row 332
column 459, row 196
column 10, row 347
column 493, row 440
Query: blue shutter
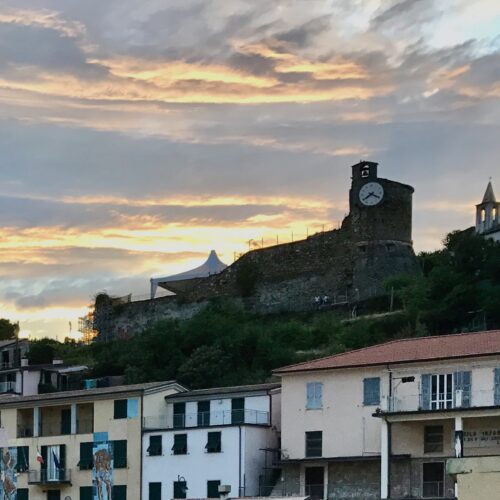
column 463, row 383
column 310, row 395
column 371, row 391
column 426, row 392
column 497, row 387
column 319, row 394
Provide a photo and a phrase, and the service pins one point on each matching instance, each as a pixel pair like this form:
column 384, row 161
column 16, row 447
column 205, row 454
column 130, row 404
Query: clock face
column 371, row 194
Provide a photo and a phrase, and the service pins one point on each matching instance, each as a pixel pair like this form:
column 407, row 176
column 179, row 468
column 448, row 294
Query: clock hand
column 366, row 197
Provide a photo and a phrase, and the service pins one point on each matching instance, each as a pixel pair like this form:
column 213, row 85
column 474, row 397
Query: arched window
column 483, row 215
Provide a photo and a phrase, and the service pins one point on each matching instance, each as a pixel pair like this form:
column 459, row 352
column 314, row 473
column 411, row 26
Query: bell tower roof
column 489, row 195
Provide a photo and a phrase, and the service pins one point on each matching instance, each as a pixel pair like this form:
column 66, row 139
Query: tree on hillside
column 8, row 330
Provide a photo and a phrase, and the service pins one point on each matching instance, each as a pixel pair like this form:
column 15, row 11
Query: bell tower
column 487, row 218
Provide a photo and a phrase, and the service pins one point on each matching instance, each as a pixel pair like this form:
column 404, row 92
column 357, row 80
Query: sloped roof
column 196, row 393
column 406, row 351
column 489, row 195
column 99, row 392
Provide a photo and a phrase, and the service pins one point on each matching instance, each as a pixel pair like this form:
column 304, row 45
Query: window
column 446, row 390
column 214, row 442
column 53, row 495
column 180, row 489
column 433, row 439
column 155, row 446
column 213, row 489
column 154, row 491
column 179, row 415
column 314, row 396
column 314, row 444
column 119, row 493
column 54, row 462
column 23, row 494
column 238, row 411
column 23, row 455
column 86, row 456
column 365, row 172
column 120, row 454
column 86, row 493
column 180, row 444
column 203, row 413
column 371, row 391
column 120, row 409
column 432, row 479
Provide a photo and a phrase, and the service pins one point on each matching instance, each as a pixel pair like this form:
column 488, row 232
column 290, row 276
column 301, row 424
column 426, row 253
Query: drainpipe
column 239, row 462
column 141, row 447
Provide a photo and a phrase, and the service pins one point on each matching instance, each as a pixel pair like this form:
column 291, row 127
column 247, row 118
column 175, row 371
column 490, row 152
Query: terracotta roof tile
column 407, row 351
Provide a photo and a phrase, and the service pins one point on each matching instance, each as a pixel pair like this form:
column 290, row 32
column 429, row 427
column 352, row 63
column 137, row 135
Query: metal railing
column 432, row 489
column 49, row 476
column 7, row 387
column 456, row 400
column 204, row 419
column 25, row 430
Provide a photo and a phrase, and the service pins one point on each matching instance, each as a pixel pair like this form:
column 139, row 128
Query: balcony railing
column 203, row 419
column 48, row 476
column 454, row 400
column 7, row 387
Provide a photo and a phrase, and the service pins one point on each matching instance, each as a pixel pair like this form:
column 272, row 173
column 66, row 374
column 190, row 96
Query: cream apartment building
column 381, row 422
column 70, row 444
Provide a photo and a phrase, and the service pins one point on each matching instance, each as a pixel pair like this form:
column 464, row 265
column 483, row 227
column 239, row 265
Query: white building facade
column 382, row 422
column 204, row 439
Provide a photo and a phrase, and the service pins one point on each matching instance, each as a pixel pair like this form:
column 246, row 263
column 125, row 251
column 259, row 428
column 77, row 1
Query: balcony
column 205, row 419
column 7, row 387
column 453, row 400
column 48, row 477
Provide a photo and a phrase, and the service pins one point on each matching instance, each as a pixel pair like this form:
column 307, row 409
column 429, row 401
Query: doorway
column 432, row 479
column 315, row 482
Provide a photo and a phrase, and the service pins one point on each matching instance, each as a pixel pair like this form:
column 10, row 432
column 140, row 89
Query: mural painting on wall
column 8, row 483
column 102, row 472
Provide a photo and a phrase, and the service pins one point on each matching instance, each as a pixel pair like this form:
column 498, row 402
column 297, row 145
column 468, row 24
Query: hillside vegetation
column 459, row 290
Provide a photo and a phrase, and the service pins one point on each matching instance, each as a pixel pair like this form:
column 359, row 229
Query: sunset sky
column 136, row 135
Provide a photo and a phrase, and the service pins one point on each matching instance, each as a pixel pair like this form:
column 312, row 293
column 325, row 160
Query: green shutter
column 120, row 454
column 23, row 454
column 120, row 408
column 23, row 494
column 86, row 456
column 66, row 421
column 155, row 446
column 213, row 442
column 154, row 491
column 119, row 493
column 86, row 493
column 43, row 452
column 213, row 489
column 180, row 444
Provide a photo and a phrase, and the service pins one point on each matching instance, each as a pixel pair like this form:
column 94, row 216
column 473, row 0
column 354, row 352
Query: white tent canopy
column 213, row 265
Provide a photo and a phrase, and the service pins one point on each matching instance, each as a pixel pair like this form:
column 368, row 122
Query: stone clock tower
column 380, row 209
